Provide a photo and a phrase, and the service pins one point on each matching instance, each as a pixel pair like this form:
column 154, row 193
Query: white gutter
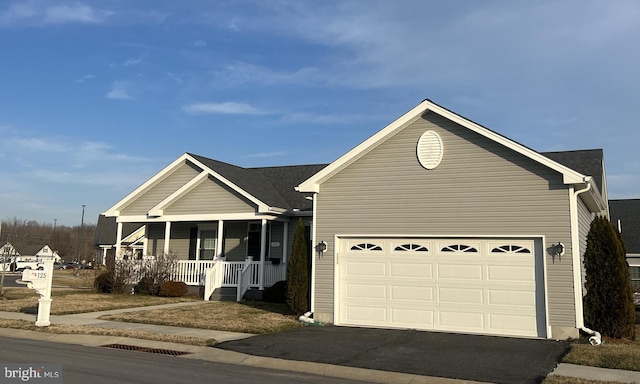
column 596, row 338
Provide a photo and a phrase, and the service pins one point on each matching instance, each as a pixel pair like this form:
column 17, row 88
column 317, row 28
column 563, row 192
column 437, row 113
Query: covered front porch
column 212, row 275
column 239, row 254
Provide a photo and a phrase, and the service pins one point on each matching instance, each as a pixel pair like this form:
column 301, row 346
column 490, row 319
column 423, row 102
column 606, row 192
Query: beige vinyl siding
column 210, row 196
column 584, row 224
column 480, row 189
column 161, row 190
column 235, row 242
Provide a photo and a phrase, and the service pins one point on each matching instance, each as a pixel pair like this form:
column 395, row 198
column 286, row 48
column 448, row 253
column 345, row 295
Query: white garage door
column 488, row 286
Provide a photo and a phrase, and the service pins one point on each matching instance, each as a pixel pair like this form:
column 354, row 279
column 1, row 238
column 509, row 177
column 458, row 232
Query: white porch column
column 104, row 256
column 285, row 243
column 263, row 252
column 119, row 242
column 167, row 237
column 219, row 244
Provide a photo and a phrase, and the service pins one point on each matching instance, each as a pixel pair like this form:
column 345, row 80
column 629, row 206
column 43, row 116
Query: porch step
column 224, row 294
column 229, row 294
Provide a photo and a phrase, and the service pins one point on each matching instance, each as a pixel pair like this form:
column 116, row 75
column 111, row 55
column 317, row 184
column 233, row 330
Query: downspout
column 596, row 338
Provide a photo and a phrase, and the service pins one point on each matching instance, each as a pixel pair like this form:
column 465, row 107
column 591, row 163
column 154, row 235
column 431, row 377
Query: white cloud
column 132, row 61
column 265, row 155
column 326, row 118
column 84, row 78
column 227, row 108
column 241, row 73
column 119, row 91
column 199, row 43
column 76, row 13
column 29, row 14
column 17, row 13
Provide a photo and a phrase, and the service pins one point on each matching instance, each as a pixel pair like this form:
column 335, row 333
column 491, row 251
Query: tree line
column 69, row 242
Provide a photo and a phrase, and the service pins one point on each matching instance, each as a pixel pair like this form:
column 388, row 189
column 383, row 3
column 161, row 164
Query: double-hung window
column 208, row 239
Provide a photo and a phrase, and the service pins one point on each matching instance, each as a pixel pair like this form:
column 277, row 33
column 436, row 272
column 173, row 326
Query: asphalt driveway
column 467, row 357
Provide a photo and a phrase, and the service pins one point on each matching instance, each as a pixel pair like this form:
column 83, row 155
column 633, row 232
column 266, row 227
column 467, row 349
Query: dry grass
column 616, row 354
column 73, row 301
column 553, row 379
column 82, row 330
column 247, row 317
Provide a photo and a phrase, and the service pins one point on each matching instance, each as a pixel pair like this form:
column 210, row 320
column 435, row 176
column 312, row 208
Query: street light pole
column 80, row 230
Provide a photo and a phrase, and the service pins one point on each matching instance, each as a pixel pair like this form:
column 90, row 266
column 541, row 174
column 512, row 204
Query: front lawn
column 614, row 353
column 247, row 317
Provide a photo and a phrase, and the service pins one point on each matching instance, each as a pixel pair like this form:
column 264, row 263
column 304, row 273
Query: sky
column 98, row 96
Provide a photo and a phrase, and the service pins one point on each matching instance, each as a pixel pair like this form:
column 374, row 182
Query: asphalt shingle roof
column 273, row 186
column 628, row 212
column 107, row 230
column 588, row 162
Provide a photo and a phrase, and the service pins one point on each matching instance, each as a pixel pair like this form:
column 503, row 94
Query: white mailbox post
column 40, row 281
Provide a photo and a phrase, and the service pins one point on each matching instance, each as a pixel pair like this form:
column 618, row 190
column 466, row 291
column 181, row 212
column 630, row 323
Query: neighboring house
column 209, row 213
column 36, row 251
column 625, row 215
column 433, row 223
column 438, row 223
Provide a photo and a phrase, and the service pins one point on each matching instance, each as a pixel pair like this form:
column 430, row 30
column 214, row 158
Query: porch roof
column 107, row 229
column 273, row 186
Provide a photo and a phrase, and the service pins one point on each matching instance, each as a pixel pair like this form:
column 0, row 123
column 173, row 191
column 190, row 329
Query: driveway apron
column 457, row 356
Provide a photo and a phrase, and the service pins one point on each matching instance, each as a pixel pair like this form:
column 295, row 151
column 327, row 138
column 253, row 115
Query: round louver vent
column 430, row 150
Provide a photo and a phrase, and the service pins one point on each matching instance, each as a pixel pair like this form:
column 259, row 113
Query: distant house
column 33, row 251
column 625, row 215
column 433, row 223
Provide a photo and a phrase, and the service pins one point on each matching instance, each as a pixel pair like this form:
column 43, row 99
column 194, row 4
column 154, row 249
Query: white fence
column 216, row 274
column 193, row 272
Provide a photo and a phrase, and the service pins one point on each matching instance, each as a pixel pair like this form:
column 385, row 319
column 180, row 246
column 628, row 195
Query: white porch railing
column 191, row 272
column 212, row 280
column 216, row 274
column 244, row 278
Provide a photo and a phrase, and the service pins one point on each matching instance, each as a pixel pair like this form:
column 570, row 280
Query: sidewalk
column 231, row 357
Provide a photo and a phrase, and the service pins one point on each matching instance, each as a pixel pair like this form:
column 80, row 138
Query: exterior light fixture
column 557, row 249
column 321, row 247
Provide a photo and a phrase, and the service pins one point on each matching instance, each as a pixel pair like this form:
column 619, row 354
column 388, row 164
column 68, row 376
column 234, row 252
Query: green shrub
column 608, row 304
column 298, row 273
column 277, row 293
column 173, row 289
column 104, row 282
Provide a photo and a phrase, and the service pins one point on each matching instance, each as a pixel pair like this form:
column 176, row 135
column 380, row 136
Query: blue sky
column 98, row 96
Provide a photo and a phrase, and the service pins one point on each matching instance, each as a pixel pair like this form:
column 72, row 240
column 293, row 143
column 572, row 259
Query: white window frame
column 207, row 228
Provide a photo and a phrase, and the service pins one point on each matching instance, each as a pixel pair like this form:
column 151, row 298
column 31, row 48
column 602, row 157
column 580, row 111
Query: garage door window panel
column 411, row 247
column 459, row 248
column 511, row 249
column 366, row 247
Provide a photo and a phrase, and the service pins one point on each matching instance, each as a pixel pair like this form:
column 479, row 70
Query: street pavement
column 374, row 355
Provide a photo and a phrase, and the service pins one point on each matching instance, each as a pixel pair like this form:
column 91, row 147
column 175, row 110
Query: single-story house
column 30, row 250
column 218, row 217
column 625, row 215
column 433, row 223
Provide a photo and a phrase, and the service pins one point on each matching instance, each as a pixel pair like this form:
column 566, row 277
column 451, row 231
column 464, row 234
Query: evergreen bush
column 608, row 305
column 277, row 293
column 298, row 273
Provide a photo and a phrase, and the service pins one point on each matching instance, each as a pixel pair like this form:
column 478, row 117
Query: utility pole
column 79, row 231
